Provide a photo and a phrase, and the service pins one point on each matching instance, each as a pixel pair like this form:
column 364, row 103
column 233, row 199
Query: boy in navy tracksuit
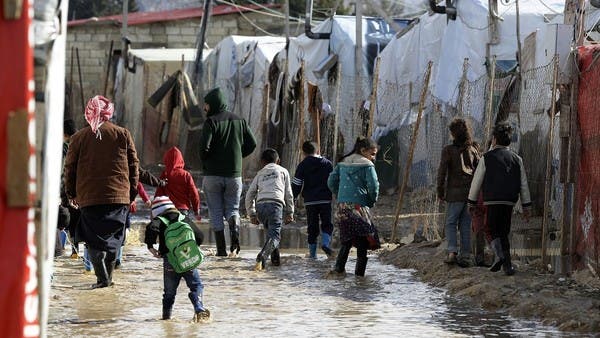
column 311, row 179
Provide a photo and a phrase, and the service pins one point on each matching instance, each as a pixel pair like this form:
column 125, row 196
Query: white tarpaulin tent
column 448, row 43
column 239, row 66
column 342, row 44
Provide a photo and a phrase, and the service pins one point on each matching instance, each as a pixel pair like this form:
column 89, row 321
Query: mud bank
column 570, row 303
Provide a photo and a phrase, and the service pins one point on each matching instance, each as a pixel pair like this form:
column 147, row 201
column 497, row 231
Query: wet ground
column 296, row 299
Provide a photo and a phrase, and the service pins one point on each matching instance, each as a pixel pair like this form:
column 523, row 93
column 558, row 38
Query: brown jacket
column 455, row 172
column 101, row 171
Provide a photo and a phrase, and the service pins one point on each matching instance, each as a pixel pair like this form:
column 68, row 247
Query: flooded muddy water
column 295, row 299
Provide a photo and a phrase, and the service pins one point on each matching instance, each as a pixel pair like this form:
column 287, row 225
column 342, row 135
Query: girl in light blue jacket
column 354, row 182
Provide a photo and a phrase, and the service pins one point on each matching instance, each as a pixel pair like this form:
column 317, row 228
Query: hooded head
column 215, row 99
column 69, row 127
column 173, row 160
column 161, row 205
column 98, row 110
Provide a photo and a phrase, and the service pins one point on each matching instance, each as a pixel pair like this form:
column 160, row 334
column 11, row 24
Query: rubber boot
column 326, row 244
column 496, row 245
column 361, row 266
column 166, row 313
column 275, row 258
column 234, row 231
column 312, row 250
column 220, row 239
column 261, row 258
column 342, row 258
column 507, row 267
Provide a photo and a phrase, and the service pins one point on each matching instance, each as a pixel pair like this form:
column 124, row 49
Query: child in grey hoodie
column 270, row 201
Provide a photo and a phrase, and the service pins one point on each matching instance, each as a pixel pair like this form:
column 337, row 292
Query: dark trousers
column 314, row 213
column 362, row 245
column 171, row 281
column 499, row 219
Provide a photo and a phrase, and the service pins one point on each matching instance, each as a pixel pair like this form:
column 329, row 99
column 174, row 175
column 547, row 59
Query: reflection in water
column 295, row 299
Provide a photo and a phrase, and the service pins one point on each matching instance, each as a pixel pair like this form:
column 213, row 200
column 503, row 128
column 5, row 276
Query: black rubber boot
column 361, row 266
column 496, row 245
column 507, row 267
column 234, row 231
column 275, row 258
column 342, row 258
column 261, row 258
column 166, row 313
column 220, row 239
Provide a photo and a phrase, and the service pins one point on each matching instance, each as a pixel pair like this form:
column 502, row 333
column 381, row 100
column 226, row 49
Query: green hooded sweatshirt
column 225, row 140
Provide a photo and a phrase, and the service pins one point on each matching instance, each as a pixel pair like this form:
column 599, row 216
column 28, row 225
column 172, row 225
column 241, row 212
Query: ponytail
column 362, row 142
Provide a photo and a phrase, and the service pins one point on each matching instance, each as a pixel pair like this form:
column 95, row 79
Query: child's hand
column 288, row 219
column 254, row 220
column 154, row 252
column 198, row 217
column 148, row 203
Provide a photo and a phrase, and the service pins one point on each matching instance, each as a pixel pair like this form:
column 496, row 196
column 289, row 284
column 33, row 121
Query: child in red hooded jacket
column 180, row 187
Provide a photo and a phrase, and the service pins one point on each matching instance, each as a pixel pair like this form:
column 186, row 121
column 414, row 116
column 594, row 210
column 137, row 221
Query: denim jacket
column 355, row 181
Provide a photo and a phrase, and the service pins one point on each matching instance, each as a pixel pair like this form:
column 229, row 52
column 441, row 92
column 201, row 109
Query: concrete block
column 173, row 30
column 83, row 37
column 189, row 31
column 154, row 30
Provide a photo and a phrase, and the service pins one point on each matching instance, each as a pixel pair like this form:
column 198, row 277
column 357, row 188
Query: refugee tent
column 324, row 61
column 239, row 65
column 155, row 129
column 461, row 52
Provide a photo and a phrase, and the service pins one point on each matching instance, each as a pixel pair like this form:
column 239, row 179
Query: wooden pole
column 71, row 82
column 358, row 65
column 373, row 104
column 110, row 52
column 80, row 80
column 461, row 90
column 411, row 150
column 549, row 161
column 490, row 106
column 301, row 107
column 336, row 123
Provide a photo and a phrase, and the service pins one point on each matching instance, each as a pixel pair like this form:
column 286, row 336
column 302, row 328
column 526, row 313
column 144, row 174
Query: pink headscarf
column 99, row 110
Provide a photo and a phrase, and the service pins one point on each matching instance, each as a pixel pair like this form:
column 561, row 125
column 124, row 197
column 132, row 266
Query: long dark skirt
column 102, row 227
column 355, row 224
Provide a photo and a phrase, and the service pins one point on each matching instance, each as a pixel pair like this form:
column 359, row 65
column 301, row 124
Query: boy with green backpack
column 178, row 246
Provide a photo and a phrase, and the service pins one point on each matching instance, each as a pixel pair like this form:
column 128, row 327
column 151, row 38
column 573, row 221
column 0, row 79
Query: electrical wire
column 255, row 25
column 257, row 11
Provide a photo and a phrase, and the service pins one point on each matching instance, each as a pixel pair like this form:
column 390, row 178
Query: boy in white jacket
column 270, row 201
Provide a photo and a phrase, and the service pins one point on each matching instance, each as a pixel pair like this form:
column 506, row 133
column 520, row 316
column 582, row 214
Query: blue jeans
column 457, row 215
column 171, row 282
column 270, row 214
column 223, row 198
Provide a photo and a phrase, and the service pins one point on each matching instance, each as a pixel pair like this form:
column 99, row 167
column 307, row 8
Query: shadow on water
column 298, row 298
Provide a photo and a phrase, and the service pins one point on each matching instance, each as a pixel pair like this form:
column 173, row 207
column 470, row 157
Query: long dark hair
column 461, row 132
column 360, row 144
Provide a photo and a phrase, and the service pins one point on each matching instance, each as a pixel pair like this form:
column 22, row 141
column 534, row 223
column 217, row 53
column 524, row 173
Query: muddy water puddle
column 295, row 299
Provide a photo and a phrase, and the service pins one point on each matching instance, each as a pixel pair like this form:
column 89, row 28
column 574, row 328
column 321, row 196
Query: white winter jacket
column 271, row 184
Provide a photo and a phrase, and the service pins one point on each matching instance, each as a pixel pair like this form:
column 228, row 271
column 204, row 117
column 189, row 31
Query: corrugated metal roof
column 139, row 18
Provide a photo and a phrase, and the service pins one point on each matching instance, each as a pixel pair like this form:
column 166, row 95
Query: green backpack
column 184, row 254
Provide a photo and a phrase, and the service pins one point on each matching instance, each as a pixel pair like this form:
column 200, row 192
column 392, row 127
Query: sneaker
column 327, row 251
column 464, row 262
column 451, row 259
column 117, row 265
column 336, row 274
column 202, row 316
column 88, row 272
column 74, row 255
